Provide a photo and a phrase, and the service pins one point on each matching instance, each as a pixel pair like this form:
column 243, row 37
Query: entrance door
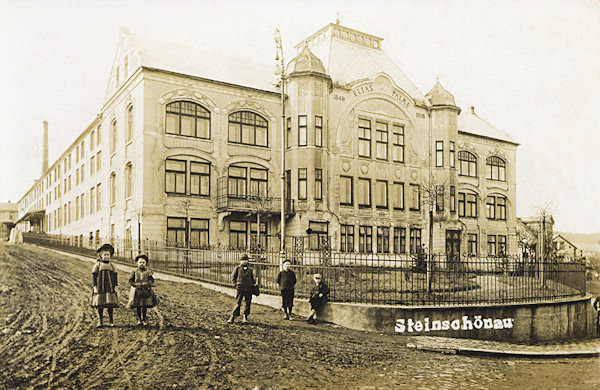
column 453, row 248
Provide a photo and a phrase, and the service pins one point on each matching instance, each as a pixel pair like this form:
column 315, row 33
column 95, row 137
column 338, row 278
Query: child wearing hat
column 104, row 279
column 141, row 295
column 243, row 281
column 286, row 280
column 318, row 297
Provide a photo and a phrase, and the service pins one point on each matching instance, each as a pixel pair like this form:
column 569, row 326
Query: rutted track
column 48, row 340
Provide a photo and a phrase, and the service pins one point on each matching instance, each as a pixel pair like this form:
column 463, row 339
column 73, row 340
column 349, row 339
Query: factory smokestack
column 45, row 147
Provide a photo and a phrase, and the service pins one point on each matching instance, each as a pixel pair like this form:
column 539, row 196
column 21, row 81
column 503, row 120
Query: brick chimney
column 45, row 148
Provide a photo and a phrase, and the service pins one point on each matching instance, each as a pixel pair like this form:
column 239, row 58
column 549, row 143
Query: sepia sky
column 531, row 68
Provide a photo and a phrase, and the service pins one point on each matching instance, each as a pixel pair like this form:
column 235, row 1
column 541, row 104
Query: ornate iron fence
column 361, row 277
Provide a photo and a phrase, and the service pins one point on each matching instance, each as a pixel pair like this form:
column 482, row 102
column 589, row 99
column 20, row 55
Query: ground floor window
column 176, row 232
column 383, row 239
column 263, row 235
column 238, row 236
column 399, row 240
column 502, row 246
column 199, row 237
column 347, row 238
column 415, row 240
column 317, row 235
column 491, row 243
column 472, row 243
column 365, row 239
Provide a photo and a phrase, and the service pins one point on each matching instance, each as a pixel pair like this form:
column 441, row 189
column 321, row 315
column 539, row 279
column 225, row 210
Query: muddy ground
column 48, row 339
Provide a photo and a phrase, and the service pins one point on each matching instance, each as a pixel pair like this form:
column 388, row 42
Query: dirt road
column 48, row 339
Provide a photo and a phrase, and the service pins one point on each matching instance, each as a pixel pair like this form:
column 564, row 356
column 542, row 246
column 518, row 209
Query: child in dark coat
column 319, row 295
column 244, row 282
column 104, row 279
column 286, row 280
column 141, row 295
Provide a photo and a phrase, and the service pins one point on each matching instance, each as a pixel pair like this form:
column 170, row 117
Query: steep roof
column 202, row 63
column 471, row 123
column 439, row 96
column 349, row 55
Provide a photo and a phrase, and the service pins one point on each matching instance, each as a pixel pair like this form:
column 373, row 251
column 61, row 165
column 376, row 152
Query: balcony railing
column 253, row 204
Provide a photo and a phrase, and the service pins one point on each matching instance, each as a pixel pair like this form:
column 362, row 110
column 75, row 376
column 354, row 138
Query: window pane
column 234, row 133
column 261, row 136
column 247, row 134
column 202, row 128
column 187, row 126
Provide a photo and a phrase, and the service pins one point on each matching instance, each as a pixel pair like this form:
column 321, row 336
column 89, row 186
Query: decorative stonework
column 364, row 169
column 469, row 147
column 318, row 88
column 249, row 104
column 399, row 173
column 188, row 94
column 345, row 133
column 497, row 152
column 345, row 166
column 414, row 174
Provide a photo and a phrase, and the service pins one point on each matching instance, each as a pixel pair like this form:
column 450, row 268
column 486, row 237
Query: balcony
column 250, row 203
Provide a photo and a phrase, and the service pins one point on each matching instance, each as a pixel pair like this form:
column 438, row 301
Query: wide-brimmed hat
column 317, row 276
column 106, row 247
column 244, row 257
column 142, row 257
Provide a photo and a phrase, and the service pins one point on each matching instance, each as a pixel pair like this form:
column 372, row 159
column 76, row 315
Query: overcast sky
column 531, row 68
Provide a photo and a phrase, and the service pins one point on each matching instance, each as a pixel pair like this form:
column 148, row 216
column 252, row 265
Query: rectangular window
column 347, row 238
column 176, row 232
column 77, row 176
column 98, row 198
column 199, row 237
column 77, row 208
column 364, row 193
column 288, row 139
column 77, row 154
column 302, row 126
column 69, row 160
column 502, row 246
column 472, row 243
column 129, row 123
column 452, row 199
column 439, row 153
column 65, row 214
column 346, row 191
column 415, row 240
column 259, row 182
column 490, row 206
column 467, row 205
column 318, row 184
column 98, row 135
column 452, row 155
column 92, row 165
column 69, row 212
column 365, row 239
column 175, row 173
column 263, row 235
column 199, row 178
column 237, row 178
column 381, row 194
column 319, row 234
column 92, row 139
column 302, row 183
column 398, row 193
column 491, row 244
column 98, row 161
column 82, row 171
column 399, row 240
column 364, row 138
column 383, row 239
column 82, row 205
column 318, row 131
column 92, row 200
column 381, row 141
column 82, row 150
column 416, row 197
column 461, row 204
column 501, row 207
column 398, row 143
column 439, row 198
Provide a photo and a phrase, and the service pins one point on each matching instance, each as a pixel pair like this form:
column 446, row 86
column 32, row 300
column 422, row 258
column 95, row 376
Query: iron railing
column 396, row 279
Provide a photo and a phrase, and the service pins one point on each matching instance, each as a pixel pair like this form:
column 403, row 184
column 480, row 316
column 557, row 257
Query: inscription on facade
column 368, row 88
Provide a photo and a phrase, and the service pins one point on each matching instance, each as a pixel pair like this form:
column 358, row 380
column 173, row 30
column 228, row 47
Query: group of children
column 104, row 293
column 142, row 296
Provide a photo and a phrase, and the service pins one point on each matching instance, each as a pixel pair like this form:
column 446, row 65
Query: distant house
column 565, row 249
column 8, row 216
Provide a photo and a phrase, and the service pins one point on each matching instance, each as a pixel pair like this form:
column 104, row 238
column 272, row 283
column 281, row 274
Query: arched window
column 113, row 137
column 189, row 119
column 128, row 180
column 129, row 123
column 467, row 164
column 495, row 168
column 248, row 128
column 113, row 188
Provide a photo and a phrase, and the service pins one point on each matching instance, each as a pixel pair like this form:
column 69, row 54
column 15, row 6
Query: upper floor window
column 452, row 155
column 113, row 137
column 128, row 180
column 92, row 140
column 199, row 178
column 288, row 138
column 495, row 168
column 381, row 194
column 188, row 119
column 364, row 193
column 381, row 141
column 318, row 184
column 467, row 205
column 99, row 135
column 467, row 164
column 259, row 182
column 175, row 173
column 178, row 182
column 129, row 123
column 302, row 130
column 346, row 191
column 439, row 153
column 416, row 197
column 113, row 188
column 248, row 128
column 364, row 138
column 318, row 131
column 302, row 181
column 398, row 143
column 496, row 207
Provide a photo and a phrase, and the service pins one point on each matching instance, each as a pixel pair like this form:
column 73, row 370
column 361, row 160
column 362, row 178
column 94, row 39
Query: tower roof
column 439, row 96
column 306, row 61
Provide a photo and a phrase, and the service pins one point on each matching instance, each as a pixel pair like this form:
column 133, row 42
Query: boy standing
column 286, row 280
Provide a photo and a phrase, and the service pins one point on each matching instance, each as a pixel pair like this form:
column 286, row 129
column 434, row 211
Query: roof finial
column 337, row 19
column 437, row 76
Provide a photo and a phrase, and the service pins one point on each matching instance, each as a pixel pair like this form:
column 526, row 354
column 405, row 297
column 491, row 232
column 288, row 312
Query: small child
column 318, row 297
column 286, row 279
column 104, row 278
column 141, row 295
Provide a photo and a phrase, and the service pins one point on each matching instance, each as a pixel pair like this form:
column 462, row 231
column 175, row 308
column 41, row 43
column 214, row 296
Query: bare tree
column 185, row 204
column 432, row 193
column 260, row 203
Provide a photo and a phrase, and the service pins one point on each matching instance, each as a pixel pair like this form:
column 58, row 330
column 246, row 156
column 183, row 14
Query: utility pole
column 279, row 57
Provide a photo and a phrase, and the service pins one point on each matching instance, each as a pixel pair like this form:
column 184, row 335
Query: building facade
column 8, row 218
column 187, row 149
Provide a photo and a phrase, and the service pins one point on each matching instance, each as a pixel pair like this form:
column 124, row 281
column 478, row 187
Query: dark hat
column 286, row 261
column 142, row 257
column 106, row 247
column 244, row 257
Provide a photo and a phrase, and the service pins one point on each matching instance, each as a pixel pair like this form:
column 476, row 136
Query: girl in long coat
column 104, row 279
column 141, row 295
